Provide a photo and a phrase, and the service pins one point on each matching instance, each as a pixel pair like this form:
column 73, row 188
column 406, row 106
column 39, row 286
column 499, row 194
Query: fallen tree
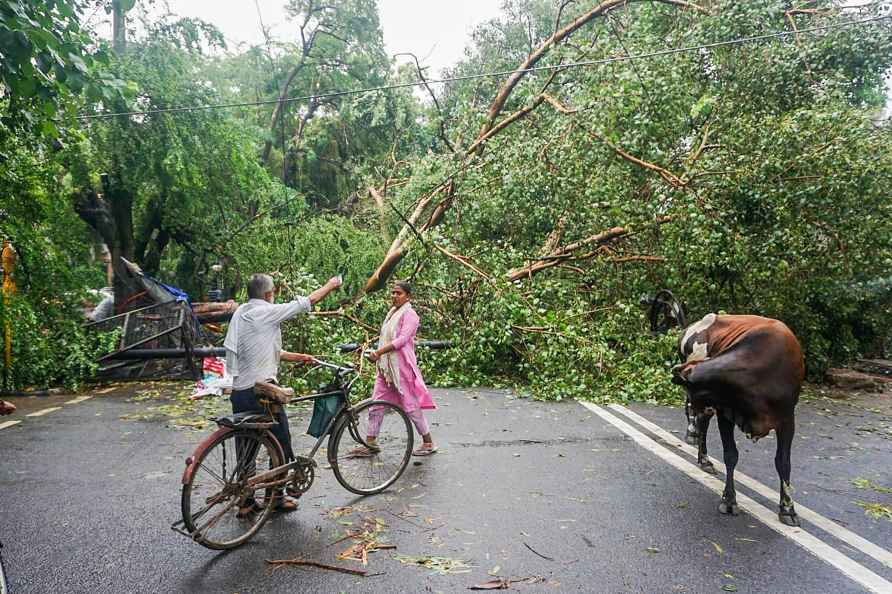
column 443, row 196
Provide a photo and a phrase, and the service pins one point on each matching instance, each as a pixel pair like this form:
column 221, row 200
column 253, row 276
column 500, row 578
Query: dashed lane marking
column 44, row 411
column 7, row 424
column 850, row 568
column 825, row 524
column 78, row 399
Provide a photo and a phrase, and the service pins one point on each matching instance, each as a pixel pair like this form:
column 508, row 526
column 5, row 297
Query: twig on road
column 537, row 552
column 306, row 563
column 423, row 528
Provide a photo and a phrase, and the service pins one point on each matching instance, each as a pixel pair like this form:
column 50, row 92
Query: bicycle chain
column 302, row 478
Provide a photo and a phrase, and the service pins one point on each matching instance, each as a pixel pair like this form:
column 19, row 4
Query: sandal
column 286, row 506
column 246, row 511
column 360, row 452
column 283, row 505
column 426, row 449
column 366, row 451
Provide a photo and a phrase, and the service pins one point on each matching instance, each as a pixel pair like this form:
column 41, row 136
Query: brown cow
column 747, row 371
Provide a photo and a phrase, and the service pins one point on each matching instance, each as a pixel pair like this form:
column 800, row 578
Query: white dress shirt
column 254, row 339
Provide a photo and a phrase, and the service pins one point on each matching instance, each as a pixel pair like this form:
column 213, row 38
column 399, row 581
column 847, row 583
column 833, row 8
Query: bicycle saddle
column 246, row 420
column 273, row 392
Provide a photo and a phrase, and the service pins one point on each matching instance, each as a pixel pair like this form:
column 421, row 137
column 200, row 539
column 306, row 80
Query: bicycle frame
column 263, row 479
column 344, row 408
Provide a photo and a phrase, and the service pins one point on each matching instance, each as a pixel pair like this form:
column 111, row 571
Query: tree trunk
column 120, row 205
column 119, row 28
column 279, row 109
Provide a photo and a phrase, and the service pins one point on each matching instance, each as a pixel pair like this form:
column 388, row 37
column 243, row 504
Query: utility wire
column 627, row 57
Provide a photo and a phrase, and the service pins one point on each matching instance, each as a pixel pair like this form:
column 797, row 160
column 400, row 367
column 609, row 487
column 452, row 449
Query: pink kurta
column 415, row 394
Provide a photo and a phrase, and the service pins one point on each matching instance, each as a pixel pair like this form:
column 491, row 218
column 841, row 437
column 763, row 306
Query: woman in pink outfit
column 398, row 378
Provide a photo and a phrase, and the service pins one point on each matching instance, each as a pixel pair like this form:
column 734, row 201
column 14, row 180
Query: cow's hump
column 698, row 350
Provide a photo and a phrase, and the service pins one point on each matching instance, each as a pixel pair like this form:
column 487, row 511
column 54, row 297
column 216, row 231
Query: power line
column 627, row 57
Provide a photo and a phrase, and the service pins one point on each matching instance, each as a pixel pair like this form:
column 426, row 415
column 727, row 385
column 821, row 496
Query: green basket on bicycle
column 324, row 410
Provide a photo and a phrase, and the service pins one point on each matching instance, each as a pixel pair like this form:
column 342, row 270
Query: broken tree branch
column 490, row 127
column 562, row 254
column 637, row 258
column 463, row 260
column 558, row 105
column 508, row 86
column 441, row 128
column 379, row 202
column 667, row 175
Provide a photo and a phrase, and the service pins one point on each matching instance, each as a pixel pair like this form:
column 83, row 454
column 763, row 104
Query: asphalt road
column 556, row 492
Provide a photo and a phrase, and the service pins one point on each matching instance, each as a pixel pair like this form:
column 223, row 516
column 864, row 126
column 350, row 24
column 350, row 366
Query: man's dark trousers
column 246, row 401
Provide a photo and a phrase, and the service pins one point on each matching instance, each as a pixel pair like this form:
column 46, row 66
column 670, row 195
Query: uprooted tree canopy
column 533, row 210
column 747, row 178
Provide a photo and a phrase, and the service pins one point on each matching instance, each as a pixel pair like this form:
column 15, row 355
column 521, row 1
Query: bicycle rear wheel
column 217, row 488
column 368, row 470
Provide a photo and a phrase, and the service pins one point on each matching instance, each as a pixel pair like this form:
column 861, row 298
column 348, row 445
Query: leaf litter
column 175, row 406
column 867, row 484
column 503, row 583
column 436, row 565
column 877, row 511
column 368, row 538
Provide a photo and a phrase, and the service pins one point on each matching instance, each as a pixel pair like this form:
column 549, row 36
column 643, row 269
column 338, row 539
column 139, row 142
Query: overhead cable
column 500, row 73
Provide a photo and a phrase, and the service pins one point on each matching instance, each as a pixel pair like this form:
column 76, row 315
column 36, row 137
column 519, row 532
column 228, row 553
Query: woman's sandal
column 360, row 452
column 363, row 451
column 426, row 449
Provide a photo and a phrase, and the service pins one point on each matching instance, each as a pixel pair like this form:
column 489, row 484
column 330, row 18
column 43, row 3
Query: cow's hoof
column 789, row 518
column 729, row 509
column 707, row 466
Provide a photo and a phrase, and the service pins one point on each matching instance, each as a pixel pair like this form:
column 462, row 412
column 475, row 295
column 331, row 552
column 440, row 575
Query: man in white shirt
column 254, row 348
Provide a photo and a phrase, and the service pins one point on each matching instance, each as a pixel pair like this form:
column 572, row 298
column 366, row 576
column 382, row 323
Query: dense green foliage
column 749, row 179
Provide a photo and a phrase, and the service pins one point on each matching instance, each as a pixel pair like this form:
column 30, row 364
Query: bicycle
column 221, row 476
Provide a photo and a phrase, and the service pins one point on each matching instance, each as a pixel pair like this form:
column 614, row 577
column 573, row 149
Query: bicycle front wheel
column 365, row 466
column 220, row 509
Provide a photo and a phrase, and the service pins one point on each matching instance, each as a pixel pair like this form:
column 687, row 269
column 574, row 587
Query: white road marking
column 78, row 399
column 853, row 570
column 8, row 424
column 825, row 524
column 40, row 413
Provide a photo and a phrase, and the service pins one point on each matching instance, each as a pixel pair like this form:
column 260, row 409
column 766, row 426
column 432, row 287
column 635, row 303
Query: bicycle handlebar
column 337, row 368
column 351, row 347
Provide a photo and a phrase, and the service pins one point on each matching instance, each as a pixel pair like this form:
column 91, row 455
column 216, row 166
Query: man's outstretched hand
column 6, row 408
column 322, row 292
